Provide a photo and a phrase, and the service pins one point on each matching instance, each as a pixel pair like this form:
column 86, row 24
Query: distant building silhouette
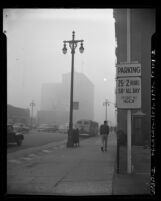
column 55, row 100
column 17, row 115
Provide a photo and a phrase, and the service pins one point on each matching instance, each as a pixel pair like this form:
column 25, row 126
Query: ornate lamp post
column 32, row 104
column 72, row 44
column 105, row 104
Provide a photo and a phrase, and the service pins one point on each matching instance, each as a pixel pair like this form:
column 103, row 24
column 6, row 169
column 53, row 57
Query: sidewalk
column 66, row 171
column 138, row 182
column 78, row 171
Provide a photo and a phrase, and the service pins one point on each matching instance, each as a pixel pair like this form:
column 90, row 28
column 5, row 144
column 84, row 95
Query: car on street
column 47, row 128
column 21, row 127
column 14, row 136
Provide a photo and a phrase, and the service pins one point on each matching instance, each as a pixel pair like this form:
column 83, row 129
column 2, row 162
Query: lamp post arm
column 73, row 41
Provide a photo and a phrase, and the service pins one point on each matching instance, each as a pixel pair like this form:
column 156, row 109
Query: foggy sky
column 34, row 53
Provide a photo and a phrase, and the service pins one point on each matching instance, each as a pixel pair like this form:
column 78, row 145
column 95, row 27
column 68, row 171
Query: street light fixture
column 81, row 49
column 64, row 49
column 72, row 44
column 105, row 104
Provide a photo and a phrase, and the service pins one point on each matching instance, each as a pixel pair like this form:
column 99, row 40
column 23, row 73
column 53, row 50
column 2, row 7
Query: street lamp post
column 105, row 104
column 32, row 104
column 72, row 45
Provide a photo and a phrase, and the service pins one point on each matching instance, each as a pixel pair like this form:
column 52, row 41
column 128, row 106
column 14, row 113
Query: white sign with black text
column 128, row 92
column 128, row 70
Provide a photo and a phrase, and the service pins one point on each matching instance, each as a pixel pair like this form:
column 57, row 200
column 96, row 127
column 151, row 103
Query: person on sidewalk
column 104, row 131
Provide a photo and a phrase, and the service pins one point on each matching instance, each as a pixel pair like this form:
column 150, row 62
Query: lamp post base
column 70, row 144
column 70, row 140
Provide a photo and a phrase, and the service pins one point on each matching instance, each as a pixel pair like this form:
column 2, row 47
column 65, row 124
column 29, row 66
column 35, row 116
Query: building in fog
column 142, row 30
column 55, row 100
column 83, row 93
column 18, row 115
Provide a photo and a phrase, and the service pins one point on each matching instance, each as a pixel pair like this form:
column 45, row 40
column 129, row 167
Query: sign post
column 129, row 111
column 128, row 89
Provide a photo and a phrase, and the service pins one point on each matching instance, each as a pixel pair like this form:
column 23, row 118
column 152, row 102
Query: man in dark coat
column 104, row 131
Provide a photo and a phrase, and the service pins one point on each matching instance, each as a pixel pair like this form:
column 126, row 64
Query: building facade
column 55, row 100
column 18, row 115
column 83, row 93
column 142, row 28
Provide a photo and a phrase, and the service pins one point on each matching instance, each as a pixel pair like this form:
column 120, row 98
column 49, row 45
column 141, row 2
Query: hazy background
column 34, row 53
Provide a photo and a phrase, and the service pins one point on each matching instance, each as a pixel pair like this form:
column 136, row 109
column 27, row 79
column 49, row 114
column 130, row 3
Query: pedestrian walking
column 104, row 131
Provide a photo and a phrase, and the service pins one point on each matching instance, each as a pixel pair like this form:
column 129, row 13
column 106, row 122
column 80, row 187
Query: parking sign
column 128, row 92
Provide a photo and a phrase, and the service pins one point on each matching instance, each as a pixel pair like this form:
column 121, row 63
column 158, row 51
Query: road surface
column 35, row 139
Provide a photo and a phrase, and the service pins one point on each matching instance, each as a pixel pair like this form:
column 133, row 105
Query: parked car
column 21, row 127
column 14, row 136
column 42, row 127
column 52, row 128
column 47, row 128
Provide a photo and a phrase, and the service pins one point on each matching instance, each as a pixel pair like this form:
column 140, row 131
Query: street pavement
column 57, row 170
column 54, row 169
